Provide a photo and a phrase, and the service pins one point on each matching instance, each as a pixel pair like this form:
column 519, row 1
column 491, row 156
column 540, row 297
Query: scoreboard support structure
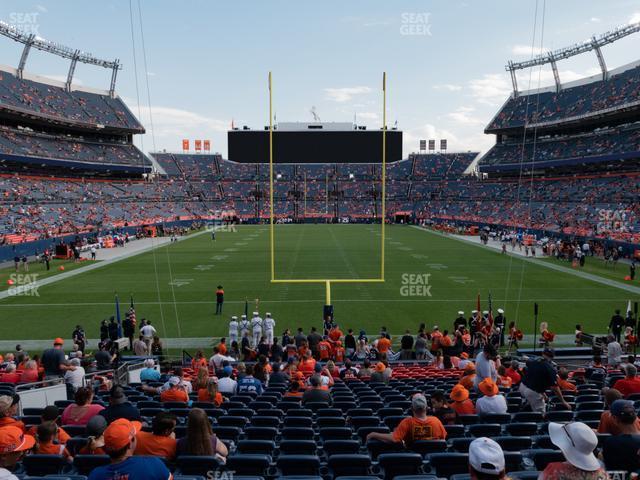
column 328, row 306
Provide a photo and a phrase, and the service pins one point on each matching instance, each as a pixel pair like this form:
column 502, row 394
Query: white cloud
column 463, row 116
column 345, row 94
column 491, row 89
column 151, row 74
column 527, row 50
column 635, row 18
column 367, row 115
column 595, row 20
column 448, row 87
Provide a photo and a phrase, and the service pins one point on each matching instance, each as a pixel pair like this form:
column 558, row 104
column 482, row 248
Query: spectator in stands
column 175, row 392
column 95, row 437
column 577, row 442
column 200, row 439
column 503, row 379
column 210, row 393
column 348, row 371
column 120, row 443
column 215, row 362
column 468, row 376
column 539, row 377
column 421, row 346
column 8, row 410
column 366, row 370
column 294, row 390
column 316, row 392
column 487, row 362
column 491, row 401
column 104, row 358
column 250, row 384
column 441, row 409
column 406, row 346
column 10, row 375
column 74, row 378
column 486, row 460
column 140, row 348
column 226, row 384
column 314, row 339
column 563, row 381
column 83, row 410
column 620, row 451
column 47, row 442
column 382, row 373
column 278, row 377
column 53, row 361
column 419, row 426
column 30, row 373
column 13, row 445
column 630, row 384
column 609, row 423
column 614, row 351
column 161, row 441
column 326, row 380
column 462, row 405
column 201, row 380
column 50, row 414
column 119, row 407
column 149, row 373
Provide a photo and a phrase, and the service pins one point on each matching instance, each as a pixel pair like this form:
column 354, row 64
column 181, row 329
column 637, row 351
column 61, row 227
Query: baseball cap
column 58, row 341
column 486, row 456
column 460, row 312
column 228, row 370
column 469, row 366
column 255, row 314
column 96, row 426
column 419, row 402
column 120, row 433
column 624, row 410
column 464, row 355
column 500, row 310
column 577, row 441
column 548, row 351
column 174, row 381
column 234, row 317
column 318, row 368
column 13, row 440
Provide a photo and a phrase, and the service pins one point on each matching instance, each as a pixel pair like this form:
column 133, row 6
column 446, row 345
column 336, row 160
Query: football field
column 429, row 278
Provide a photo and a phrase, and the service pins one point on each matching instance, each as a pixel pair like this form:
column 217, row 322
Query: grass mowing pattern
column 240, row 262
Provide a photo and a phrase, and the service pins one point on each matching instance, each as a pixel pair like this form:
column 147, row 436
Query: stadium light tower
column 63, row 51
column 593, row 44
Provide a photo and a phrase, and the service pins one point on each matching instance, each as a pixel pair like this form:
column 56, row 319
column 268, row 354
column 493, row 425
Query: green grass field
column 174, row 285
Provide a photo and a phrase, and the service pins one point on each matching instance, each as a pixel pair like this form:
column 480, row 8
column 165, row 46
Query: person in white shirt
column 233, row 330
column 487, row 364
column 215, row 362
column 614, row 351
column 491, row 401
column 256, row 328
column 269, row 326
column 226, row 384
column 148, row 332
column 75, row 377
column 244, row 326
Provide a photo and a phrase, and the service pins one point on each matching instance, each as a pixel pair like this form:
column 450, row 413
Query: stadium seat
column 349, row 464
column 525, row 475
column 290, row 421
column 196, row 465
column 559, row 416
column 485, row 430
column 447, row 464
column 396, row 464
column 500, row 418
column 298, row 465
column 248, row 464
column 376, row 447
column 261, row 433
column 461, row 444
column 297, row 433
column 424, row 447
column 332, row 447
column 513, row 444
column 262, row 421
column 298, row 447
column 259, row 447
column 40, row 465
column 521, row 429
column 542, row 457
column 330, row 422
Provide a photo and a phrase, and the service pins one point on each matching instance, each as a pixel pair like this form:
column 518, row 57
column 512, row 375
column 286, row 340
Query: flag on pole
column 132, row 305
column 629, row 311
column 118, row 320
column 246, row 308
column 232, row 124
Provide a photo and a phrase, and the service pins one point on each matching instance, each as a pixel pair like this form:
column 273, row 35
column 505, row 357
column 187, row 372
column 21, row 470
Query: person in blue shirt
column 149, row 373
column 250, row 384
column 120, row 443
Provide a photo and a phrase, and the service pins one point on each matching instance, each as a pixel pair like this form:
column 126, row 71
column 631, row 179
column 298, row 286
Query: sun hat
column 488, row 387
column 577, row 441
column 13, row 440
column 120, row 433
column 486, row 456
column 459, row 393
column 174, row 381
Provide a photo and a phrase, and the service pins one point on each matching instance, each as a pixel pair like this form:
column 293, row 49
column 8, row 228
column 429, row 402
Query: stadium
column 203, row 276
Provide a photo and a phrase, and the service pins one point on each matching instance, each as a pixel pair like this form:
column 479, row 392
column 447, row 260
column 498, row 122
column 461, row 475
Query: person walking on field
column 219, row 299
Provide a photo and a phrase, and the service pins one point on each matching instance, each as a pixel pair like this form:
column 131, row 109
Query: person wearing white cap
column 577, row 442
column 486, row 459
column 256, row 328
column 244, row 326
column 460, row 321
column 500, row 322
column 233, row 330
column 269, row 325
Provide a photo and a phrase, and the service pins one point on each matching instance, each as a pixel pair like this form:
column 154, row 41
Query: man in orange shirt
column 563, row 381
column 161, row 441
column 630, row 384
column 461, row 402
column 420, row 426
column 222, row 346
column 335, row 334
column 468, row 376
column 436, row 335
column 307, row 364
column 174, row 393
column 324, row 349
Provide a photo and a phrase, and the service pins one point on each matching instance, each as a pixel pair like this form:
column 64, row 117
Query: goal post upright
column 328, row 281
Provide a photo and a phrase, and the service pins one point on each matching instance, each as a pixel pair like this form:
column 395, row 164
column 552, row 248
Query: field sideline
column 174, row 285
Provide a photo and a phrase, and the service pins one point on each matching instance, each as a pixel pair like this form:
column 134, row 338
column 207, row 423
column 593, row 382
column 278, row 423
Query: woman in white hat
column 577, row 442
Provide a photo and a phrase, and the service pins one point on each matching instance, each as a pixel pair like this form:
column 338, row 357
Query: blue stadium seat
column 395, row 464
column 265, row 447
column 485, row 430
column 298, row 465
column 261, row 433
column 298, row 447
column 196, row 465
column 521, row 429
column 290, row 421
column 330, row 422
column 262, row 421
column 248, row 464
column 513, row 444
column 349, row 464
column 542, row 457
column 447, row 464
column 424, row 447
column 40, row 465
column 332, row 447
column 84, row 464
column 335, row 433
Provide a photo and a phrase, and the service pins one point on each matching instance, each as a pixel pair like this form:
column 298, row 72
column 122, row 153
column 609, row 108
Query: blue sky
column 207, row 61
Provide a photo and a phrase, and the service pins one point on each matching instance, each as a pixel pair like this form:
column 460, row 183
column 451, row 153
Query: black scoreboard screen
column 357, row 146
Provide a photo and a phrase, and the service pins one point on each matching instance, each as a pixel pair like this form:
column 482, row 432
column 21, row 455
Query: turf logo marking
column 462, row 280
column 241, row 244
column 415, row 285
column 203, row 268
column 23, row 285
column 219, row 257
column 230, row 249
column 419, row 256
column 405, row 249
column 437, row 266
column 181, row 282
